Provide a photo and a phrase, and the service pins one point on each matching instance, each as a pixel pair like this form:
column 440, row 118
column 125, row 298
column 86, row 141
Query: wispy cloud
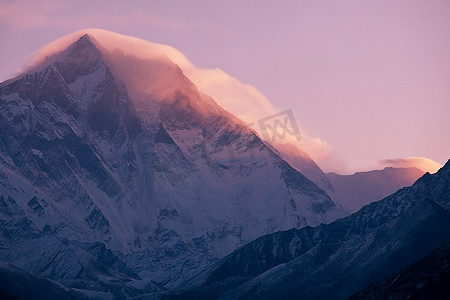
column 422, row 163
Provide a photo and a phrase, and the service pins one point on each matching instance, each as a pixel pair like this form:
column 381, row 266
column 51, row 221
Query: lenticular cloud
column 243, row 100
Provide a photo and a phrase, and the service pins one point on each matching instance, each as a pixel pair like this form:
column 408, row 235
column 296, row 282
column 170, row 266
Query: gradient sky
column 371, row 78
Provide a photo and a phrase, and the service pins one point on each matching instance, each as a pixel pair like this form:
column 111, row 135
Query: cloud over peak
column 243, row 100
column 422, row 163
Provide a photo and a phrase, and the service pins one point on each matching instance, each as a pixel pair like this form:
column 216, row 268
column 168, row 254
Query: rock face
column 336, row 260
column 119, row 171
column 354, row 191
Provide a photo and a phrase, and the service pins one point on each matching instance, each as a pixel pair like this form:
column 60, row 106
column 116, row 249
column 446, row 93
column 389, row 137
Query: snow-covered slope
column 304, row 163
column 355, row 191
column 334, row 261
column 116, row 170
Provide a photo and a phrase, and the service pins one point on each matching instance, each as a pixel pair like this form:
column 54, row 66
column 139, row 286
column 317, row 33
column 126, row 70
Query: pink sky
column 371, row 78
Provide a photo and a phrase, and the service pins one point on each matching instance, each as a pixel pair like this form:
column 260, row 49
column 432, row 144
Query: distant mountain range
column 350, row 191
column 355, row 191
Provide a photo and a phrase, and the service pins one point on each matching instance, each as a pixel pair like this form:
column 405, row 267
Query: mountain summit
column 116, row 170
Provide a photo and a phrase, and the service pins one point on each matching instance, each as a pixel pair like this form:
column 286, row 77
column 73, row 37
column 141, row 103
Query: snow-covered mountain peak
column 101, row 145
column 153, row 77
column 110, row 41
column 241, row 99
column 117, row 173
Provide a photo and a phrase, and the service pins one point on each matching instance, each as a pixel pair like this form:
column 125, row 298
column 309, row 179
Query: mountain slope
column 115, row 171
column 301, row 161
column 426, row 279
column 338, row 259
column 17, row 284
column 355, row 191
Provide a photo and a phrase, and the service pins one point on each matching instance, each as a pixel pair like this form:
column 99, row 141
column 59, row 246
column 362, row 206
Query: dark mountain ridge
column 337, row 259
column 427, row 278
